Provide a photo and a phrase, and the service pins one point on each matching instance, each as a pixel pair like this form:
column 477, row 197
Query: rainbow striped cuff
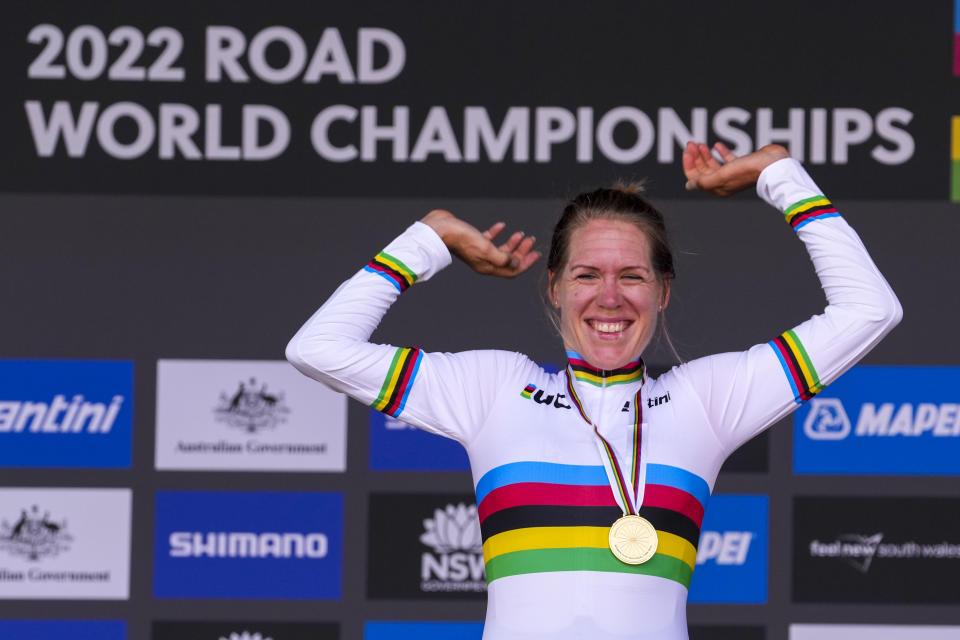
column 796, row 364
column 807, row 210
column 396, row 387
column 392, row 270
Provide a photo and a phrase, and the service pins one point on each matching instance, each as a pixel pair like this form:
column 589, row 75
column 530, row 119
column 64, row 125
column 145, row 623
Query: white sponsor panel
column 65, row 543
column 258, row 415
column 871, row 632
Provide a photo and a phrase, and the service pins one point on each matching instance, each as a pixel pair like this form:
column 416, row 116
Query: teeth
column 609, row 327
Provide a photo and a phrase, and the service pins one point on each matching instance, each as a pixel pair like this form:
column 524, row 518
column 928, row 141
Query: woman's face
column 608, row 293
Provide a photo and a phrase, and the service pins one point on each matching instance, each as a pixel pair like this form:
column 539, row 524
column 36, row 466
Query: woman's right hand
column 477, row 249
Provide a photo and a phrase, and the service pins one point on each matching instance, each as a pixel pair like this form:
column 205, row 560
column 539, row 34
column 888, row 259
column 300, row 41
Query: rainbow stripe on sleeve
column 538, row 517
column 796, row 364
column 396, row 387
column 806, row 211
column 392, row 270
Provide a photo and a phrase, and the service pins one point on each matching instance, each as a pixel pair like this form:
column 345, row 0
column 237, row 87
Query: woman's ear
column 665, row 294
column 552, row 290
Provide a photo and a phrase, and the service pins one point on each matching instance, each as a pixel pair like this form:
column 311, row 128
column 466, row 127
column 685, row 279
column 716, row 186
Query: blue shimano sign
column 396, row 446
column 63, row 629
column 422, row 631
column 732, row 554
column 62, row 413
column 248, row 545
column 874, row 420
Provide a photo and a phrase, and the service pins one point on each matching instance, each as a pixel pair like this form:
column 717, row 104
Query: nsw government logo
column 871, row 549
column 246, row 415
column 425, row 546
column 455, row 562
column 882, row 420
column 245, row 630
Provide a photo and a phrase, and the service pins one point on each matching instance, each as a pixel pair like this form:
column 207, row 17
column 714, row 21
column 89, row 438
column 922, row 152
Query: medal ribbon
column 635, row 450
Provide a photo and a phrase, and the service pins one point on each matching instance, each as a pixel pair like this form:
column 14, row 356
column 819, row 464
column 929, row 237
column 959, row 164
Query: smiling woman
column 590, row 502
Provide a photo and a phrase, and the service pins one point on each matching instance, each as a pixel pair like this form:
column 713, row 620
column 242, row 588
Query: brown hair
column 621, row 202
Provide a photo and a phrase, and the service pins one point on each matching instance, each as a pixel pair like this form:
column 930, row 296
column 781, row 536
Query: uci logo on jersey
column 530, row 392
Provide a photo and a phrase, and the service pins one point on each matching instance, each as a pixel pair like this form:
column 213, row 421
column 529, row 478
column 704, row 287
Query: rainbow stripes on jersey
column 585, row 372
column 538, row 517
column 806, row 211
column 796, row 364
column 527, row 390
column 392, row 270
column 396, row 387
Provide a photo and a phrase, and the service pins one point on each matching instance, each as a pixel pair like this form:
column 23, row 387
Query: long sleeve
column 743, row 393
column 447, row 394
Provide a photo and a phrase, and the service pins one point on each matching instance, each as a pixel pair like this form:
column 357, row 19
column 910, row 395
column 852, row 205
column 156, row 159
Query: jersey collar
column 584, row 372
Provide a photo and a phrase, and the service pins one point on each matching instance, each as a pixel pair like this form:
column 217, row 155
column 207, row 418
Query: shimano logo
column 726, row 548
column 220, row 544
column 827, row 420
column 59, row 415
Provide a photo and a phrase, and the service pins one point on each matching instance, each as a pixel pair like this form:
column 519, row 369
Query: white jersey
column 543, row 485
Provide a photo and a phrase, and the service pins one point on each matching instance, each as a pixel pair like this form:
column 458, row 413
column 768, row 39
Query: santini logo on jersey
column 828, row 420
column 220, row 544
column 59, row 416
column 531, row 392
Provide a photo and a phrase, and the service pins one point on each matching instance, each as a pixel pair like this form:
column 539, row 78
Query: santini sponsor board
column 245, row 631
column 64, row 543
column 872, row 632
column 60, row 413
column 732, row 554
column 425, row 546
column 396, row 446
column 884, row 550
column 248, row 545
column 247, row 415
column 63, row 629
column 902, row 420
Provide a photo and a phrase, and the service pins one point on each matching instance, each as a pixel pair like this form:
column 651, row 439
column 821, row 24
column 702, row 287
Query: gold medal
column 633, row 539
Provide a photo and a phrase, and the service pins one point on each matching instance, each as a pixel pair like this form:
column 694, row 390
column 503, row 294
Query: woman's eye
column 633, row 276
column 586, row 276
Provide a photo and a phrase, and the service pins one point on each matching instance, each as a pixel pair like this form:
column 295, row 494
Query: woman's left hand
column 706, row 173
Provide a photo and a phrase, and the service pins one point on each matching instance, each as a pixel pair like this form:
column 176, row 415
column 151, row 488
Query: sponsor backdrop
column 183, row 184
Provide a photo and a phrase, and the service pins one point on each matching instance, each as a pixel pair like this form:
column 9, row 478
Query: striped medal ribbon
column 633, row 540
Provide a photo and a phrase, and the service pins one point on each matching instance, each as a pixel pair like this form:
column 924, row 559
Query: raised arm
column 745, row 392
column 444, row 393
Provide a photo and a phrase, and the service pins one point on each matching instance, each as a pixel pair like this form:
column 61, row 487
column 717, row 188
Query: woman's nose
column 610, row 297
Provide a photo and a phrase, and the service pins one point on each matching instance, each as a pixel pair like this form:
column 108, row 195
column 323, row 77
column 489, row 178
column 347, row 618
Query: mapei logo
column 827, row 420
column 882, row 420
column 252, row 408
column 34, row 536
column 724, row 547
column 456, row 563
column 530, row 392
column 731, row 561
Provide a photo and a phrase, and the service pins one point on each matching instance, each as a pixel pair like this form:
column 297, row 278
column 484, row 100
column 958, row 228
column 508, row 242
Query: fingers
column 494, row 230
column 724, row 151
